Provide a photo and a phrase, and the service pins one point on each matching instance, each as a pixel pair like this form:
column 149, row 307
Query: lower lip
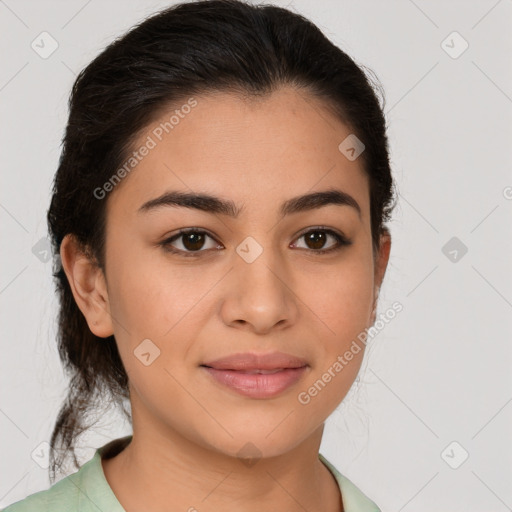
column 257, row 385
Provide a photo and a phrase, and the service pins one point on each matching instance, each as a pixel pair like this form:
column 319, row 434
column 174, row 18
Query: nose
column 259, row 295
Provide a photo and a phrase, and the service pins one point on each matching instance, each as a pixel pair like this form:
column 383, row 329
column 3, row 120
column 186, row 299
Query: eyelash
column 340, row 239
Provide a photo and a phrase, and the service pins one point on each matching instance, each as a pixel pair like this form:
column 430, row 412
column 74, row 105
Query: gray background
column 440, row 371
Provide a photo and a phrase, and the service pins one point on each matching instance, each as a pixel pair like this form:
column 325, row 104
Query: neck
column 190, row 476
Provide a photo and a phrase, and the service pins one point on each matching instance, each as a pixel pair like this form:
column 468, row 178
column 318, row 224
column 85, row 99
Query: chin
column 257, row 442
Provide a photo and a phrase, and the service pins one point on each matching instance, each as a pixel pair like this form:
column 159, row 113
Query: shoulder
column 60, row 497
column 86, row 490
column 354, row 500
column 67, row 495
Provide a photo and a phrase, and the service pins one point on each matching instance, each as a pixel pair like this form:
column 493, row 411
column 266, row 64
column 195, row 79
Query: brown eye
column 316, row 240
column 192, row 241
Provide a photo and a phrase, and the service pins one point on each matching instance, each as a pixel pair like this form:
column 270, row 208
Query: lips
column 257, row 363
column 257, row 375
column 259, row 371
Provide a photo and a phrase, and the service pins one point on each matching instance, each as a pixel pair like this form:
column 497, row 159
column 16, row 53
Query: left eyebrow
column 216, row 205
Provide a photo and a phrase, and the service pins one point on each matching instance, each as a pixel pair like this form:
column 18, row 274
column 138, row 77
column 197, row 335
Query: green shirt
column 87, row 490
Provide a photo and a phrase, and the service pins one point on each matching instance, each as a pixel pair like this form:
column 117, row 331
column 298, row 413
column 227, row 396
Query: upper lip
column 252, row 361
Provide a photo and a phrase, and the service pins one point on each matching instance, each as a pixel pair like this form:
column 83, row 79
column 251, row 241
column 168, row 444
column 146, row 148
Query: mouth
column 257, row 363
column 256, row 371
column 257, row 375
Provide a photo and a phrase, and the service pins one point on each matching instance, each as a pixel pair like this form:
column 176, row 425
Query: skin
column 187, row 429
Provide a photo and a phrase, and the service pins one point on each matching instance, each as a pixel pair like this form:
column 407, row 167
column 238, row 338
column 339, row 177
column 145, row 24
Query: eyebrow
column 216, row 205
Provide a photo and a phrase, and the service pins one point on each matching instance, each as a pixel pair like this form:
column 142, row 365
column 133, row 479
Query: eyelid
column 341, row 239
column 322, row 228
column 168, row 240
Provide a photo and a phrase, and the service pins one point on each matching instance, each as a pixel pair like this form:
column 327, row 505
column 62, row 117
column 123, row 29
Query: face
column 301, row 282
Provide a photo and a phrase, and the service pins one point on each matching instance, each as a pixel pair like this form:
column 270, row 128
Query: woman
column 219, row 215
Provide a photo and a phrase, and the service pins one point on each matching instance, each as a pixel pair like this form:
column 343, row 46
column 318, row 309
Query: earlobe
column 88, row 286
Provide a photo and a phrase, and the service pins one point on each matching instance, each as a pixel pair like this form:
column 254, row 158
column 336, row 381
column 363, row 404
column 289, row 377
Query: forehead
column 256, row 151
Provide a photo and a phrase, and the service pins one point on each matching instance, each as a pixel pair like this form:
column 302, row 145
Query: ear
column 88, row 285
column 381, row 264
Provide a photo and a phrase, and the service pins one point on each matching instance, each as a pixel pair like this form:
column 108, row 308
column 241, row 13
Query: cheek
column 147, row 294
column 342, row 304
column 343, row 298
column 154, row 300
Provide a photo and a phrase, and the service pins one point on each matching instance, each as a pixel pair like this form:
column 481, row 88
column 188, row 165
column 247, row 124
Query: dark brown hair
column 187, row 49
